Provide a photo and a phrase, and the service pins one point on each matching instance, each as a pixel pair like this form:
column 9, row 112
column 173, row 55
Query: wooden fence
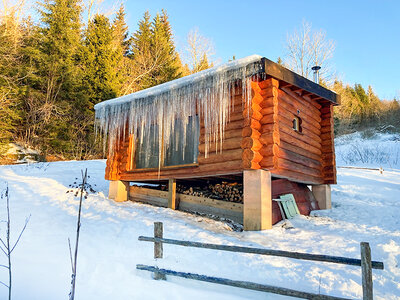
column 365, row 262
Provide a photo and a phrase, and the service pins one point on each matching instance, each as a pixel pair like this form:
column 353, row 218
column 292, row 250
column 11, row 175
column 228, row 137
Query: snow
column 180, row 82
column 365, row 208
column 207, row 93
column 24, row 155
column 378, row 150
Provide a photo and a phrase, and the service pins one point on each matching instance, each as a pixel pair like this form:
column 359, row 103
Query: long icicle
column 207, row 93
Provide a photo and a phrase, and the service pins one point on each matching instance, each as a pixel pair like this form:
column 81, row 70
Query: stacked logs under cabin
column 279, row 142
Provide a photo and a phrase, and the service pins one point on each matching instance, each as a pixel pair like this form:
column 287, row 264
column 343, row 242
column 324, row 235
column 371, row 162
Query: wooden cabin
column 277, row 138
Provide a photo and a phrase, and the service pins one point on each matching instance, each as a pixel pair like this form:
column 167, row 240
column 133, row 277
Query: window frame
column 296, row 124
column 132, row 156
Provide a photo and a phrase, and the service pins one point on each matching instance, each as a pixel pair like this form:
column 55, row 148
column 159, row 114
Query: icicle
column 207, row 93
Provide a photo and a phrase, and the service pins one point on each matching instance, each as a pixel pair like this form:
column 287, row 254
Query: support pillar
column 257, row 202
column 118, row 190
column 322, row 193
column 172, row 201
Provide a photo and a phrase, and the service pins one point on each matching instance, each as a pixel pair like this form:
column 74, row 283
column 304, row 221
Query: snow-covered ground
column 366, row 207
column 379, row 150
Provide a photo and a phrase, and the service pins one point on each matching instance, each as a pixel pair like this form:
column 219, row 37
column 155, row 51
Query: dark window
column 182, row 149
column 297, row 124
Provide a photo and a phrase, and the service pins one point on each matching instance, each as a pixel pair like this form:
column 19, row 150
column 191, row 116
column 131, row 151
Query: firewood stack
column 232, row 192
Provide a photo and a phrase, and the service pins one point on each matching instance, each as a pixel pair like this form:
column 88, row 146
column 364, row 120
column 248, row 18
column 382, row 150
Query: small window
column 297, row 124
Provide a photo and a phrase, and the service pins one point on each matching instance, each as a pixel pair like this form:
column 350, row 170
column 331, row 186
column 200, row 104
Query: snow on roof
column 177, row 83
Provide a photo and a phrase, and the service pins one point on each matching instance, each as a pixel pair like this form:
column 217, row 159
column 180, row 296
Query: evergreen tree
column 120, row 32
column 154, row 58
column 101, row 59
column 164, row 52
column 55, row 84
column 204, row 65
column 142, row 63
column 122, row 49
column 10, row 47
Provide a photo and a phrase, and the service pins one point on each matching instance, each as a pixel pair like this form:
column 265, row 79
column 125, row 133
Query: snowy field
column 365, row 208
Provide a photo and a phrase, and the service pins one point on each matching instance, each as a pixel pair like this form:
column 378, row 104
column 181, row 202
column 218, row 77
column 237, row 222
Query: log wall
column 328, row 147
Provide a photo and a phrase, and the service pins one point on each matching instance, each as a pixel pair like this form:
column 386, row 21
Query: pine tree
column 100, row 61
column 122, row 48
column 142, row 64
column 10, row 59
column 204, row 64
column 164, row 50
column 55, row 84
column 120, row 32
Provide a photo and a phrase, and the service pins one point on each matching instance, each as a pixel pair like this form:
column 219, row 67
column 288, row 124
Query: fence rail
column 365, row 262
column 241, row 284
column 296, row 255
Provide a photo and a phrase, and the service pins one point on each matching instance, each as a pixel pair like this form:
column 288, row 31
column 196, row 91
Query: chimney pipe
column 316, row 73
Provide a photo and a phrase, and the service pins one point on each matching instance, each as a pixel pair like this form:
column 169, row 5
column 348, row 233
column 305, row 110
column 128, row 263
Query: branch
column 4, row 250
column 20, row 234
column 1, row 282
column 70, row 256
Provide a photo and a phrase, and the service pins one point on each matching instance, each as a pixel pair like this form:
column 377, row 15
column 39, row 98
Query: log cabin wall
column 300, row 151
column 298, row 155
column 228, row 162
column 328, row 147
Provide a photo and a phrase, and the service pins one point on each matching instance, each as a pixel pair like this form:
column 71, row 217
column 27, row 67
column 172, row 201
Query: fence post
column 158, row 248
column 366, row 271
column 158, row 233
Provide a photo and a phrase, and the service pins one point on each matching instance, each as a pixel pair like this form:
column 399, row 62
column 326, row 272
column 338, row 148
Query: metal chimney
column 316, row 73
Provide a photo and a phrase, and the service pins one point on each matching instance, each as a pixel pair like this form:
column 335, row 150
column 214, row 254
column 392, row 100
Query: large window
column 182, row 148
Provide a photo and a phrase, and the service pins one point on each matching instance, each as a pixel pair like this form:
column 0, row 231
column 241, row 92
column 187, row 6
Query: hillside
column 365, row 208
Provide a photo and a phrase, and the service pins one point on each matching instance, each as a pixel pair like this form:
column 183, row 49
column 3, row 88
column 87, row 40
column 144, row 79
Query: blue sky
column 367, row 33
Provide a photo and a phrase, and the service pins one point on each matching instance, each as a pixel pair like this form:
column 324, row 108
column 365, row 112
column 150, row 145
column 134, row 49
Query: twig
column 70, row 255
column 78, row 227
column 1, row 282
column 20, row 234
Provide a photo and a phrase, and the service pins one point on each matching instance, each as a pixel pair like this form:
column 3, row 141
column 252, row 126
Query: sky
column 366, row 33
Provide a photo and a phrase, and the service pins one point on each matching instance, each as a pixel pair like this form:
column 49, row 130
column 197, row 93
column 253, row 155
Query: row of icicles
column 210, row 98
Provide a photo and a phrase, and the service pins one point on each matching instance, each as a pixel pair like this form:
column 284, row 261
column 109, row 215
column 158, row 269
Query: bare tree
column 307, row 48
column 199, row 50
column 6, row 246
column 84, row 189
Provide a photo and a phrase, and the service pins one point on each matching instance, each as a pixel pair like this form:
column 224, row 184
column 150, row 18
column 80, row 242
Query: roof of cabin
column 265, row 66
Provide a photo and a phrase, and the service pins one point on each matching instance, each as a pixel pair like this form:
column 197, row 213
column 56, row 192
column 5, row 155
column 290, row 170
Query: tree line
column 360, row 108
column 53, row 71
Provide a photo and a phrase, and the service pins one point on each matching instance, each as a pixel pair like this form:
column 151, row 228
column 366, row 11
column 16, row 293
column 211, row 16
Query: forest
column 53, row 70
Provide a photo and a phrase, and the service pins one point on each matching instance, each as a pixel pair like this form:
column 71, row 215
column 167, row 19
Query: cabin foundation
column 322, row 194
column 257, row 200
column 118, row 190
